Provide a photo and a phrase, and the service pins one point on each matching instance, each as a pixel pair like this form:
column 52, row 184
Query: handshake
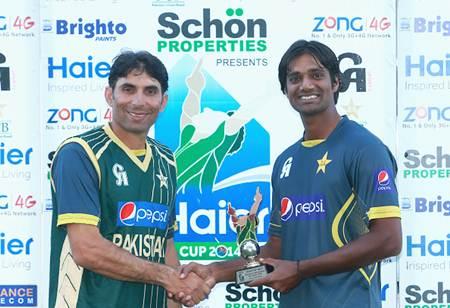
column 190, row 284
column 193, row 282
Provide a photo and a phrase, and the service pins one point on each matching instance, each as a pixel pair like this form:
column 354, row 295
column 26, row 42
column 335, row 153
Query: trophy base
column 251, row 273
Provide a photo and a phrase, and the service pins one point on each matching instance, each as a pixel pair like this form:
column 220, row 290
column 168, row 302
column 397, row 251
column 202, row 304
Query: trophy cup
column 246, row 240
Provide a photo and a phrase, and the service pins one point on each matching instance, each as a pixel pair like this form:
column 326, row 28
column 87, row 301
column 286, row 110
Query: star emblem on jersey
column 162, row 180
column 322, row 163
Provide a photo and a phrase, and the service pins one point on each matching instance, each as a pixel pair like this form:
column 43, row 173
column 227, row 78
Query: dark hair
column 141, row 61
column 321, row 52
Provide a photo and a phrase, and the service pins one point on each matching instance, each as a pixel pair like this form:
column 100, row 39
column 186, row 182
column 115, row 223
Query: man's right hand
column 188, row 289
column 203, row 271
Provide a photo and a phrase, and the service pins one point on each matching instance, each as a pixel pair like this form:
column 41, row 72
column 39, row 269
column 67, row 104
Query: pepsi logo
column 286, row 209
column 142, row 214
column 383, row 178
column 127, row 213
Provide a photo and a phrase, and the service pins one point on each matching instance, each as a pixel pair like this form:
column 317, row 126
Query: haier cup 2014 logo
column 222, row 156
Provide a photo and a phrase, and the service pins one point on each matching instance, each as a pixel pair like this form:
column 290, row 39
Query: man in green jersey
column 113, row 193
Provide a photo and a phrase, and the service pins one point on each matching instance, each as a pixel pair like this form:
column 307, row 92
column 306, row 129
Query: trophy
column 246, row 240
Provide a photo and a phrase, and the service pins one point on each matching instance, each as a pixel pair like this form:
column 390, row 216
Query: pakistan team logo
column 222, row 155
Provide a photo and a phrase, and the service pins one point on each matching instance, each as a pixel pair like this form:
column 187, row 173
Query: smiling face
column 309, row 87
column 136, row 101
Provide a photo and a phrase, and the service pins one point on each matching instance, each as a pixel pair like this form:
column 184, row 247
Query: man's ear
column 109, row 95
column 336, row 84
column 164, row 100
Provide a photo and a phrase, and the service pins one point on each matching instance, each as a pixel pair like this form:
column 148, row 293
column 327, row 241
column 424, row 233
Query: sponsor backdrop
column 222, row 58
column 424, row 160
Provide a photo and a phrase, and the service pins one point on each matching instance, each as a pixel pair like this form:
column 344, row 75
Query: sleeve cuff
column 391, row 211
column 77, row 218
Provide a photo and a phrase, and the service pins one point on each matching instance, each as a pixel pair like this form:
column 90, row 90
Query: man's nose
column 138, row 98
column 307, row 84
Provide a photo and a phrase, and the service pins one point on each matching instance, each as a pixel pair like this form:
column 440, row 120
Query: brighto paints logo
column 212, row 32
column 99, row 30
column 420, row 165
column 142, row 214
column 432, row 25
column 222, row 157
column 424, row 205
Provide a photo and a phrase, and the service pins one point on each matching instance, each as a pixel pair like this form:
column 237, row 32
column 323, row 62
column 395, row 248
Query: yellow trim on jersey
column 337, row 239
column 52, row 182
column 174, row 226
column 369, row 279
column 312, row 143
column 102, row 149
column 138, row 153
column 169, row 161
column 275, row 225
column 389, row 211
column 88, row 151
column 337, row 219
column 77, row 218
column 143, row 165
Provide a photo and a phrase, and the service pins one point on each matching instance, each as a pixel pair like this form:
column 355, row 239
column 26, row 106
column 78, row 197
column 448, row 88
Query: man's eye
column 293, row 79
column 152, row 91
column 317, row 75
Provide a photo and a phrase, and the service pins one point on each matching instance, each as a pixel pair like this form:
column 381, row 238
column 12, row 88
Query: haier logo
column 71, row 115
column 18, row 295
column 14, row 156
column 384, row 290
column 14, row 246
column 5, row 84
column 423, row 25
column 424, row 247
column 303, row 208
column 343, row 23
column 142, row 214
column 102, row 31
column 77, row 69
column 422, row 66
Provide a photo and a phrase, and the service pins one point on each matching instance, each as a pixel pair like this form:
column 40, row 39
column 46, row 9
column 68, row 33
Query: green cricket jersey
column 98, row 180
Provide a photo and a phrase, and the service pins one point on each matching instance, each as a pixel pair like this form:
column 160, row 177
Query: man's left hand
column 283, row 278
